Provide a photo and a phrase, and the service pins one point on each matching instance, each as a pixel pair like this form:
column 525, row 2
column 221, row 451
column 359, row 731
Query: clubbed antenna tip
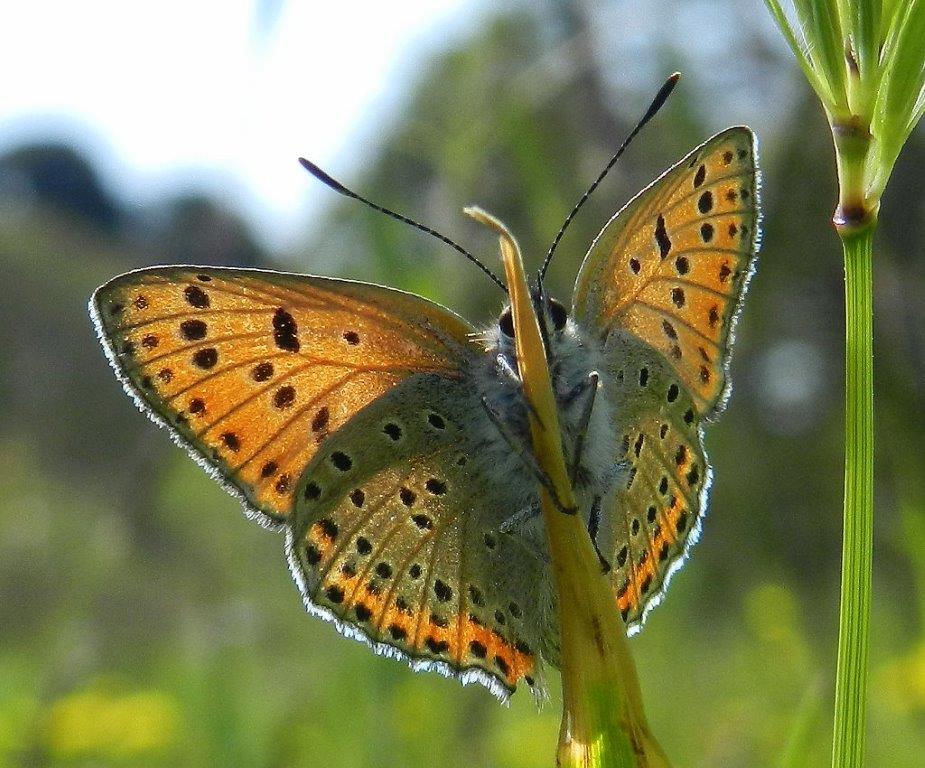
column 660, row 98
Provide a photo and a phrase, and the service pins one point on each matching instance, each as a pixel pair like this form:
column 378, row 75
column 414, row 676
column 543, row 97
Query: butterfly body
column 584, row 400
column 392, row 441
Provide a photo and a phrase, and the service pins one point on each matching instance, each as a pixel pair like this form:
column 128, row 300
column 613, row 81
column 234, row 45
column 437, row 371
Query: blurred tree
column 195, row 229
column 58, row 176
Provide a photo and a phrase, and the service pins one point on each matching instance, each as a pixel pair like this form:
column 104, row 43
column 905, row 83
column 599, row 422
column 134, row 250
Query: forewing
column 251, row 370
column 655, row 514
column 672, row 266
column 396, row 537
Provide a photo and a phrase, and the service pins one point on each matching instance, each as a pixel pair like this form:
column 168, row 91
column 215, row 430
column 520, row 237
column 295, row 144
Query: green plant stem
column 857, row 543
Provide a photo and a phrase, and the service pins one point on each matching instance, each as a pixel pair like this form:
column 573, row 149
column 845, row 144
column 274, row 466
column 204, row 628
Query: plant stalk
column 857, row 543
column 603, row 722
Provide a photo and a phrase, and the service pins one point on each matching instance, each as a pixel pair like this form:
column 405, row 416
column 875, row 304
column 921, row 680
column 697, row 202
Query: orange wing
column 672, row 266
column 251, row 369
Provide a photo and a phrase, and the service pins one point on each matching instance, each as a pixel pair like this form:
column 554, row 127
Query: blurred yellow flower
column 771, row 612
column 901, row 682
column 94, row 722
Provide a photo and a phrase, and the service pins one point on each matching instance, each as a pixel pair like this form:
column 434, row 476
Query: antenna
column 315, row 171
column 655, row 106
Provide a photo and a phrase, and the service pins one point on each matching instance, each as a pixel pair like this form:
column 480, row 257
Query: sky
column 216, row 95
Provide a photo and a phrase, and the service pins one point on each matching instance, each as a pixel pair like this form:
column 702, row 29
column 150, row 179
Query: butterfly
column 389, row 438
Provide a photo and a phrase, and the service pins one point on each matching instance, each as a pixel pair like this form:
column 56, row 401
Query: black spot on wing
column 285, row 331
column 661, row 237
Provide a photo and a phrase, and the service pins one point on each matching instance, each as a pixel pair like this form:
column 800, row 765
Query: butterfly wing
column 397, row 534
column 671, row 267
column 662, row 286
column 655, row 514
column 335, row 410
column 251, row 369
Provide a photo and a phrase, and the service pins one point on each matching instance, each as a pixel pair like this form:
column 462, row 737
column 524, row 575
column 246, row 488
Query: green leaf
column 888, row 15
column 907, row 68
column 821, row 25
column 803, row 728
column 799, row 53
column 863, row 22
column 901, row 95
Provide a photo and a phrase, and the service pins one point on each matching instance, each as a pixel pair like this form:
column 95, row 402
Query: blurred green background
column 145, row 622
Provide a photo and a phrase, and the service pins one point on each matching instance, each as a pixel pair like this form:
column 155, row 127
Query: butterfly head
column 557, row 330
column 569, row 356
column 552, row 314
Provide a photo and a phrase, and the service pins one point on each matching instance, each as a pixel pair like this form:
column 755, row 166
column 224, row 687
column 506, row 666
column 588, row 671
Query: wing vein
column 689, row 282
column 287, row 424
column 666, row 314
column 202, row 345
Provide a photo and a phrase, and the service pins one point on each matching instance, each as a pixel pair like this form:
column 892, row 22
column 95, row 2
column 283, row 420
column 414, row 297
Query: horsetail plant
column 865, row 59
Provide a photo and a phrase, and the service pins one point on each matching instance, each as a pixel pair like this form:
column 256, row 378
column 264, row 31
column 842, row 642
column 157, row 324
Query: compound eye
column 506, row 323
column 559, row 314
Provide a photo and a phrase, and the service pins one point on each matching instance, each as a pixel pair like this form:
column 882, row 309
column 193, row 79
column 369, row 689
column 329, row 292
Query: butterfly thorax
column 585, row 410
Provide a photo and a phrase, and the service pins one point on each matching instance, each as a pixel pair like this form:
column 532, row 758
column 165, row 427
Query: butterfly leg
column 505, row 364
column 589, row 385
column 525, row 456
column 594, row 522
column 522, row 516
column 522, row 538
